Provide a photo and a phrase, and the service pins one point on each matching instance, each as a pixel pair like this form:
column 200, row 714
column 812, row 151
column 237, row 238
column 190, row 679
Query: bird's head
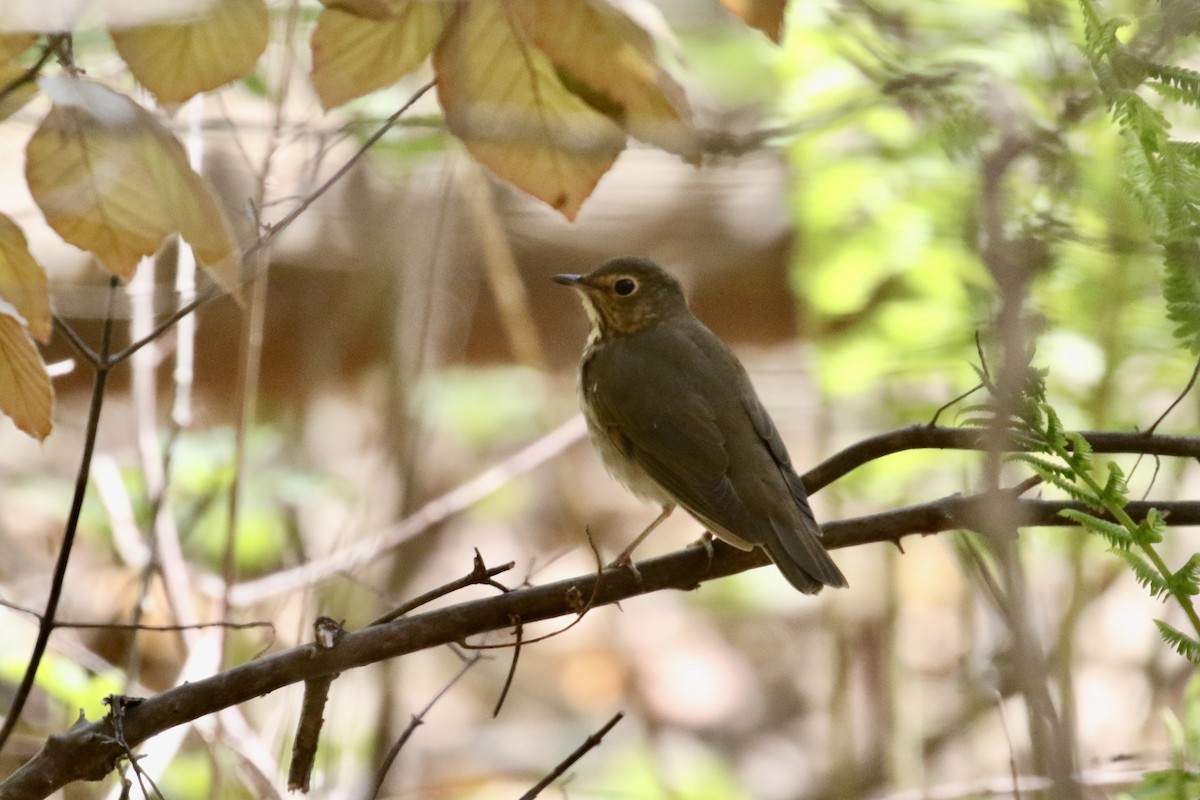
column 627, row 294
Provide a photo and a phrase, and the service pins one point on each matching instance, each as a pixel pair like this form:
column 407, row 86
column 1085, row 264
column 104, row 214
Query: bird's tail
column 801, row 557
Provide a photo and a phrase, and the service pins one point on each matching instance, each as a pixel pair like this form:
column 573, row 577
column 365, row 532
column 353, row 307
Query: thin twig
column 963, row 396
column 1191, row 382
column 77, row 341
column 118, row 704
column 479, row 574
column 417, row 719
column 1012, row 753
column 58, row 580
column 578, row 604
column 30, row 75
column 120, row 626
column 589, row 744
column 518, row 631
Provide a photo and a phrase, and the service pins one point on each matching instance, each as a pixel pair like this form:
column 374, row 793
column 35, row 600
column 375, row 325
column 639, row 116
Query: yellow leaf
column 505, row 101
column 13, row 44
column 110, row 179
column 371, row 9
column 610, row 62
column 12, row 101
column 23, row 281
column 353, row 55
column 25, row 392
column 764, row 15
column 176, row 61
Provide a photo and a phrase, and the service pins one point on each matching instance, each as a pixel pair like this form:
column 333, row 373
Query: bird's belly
column 625, row 470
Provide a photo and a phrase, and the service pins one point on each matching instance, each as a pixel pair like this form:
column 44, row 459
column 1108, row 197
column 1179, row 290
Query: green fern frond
column 1145, row 573
column 1041, row 466
column 1187, row 150
column 1080, row 446
column 1115, row 491
column 1180, row 81
column 1118, row 538
column 1145, row 535
column 1183, row 644
column 1135, row 115
column 1181, row 288
column 1186, row 580
column 1053, row 474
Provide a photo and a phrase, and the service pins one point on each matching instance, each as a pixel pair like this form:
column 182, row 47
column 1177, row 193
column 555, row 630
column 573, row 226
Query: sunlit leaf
column 110, row 179
column 176, row 61
column 25, row 392
column 765, row 15
column 17, row 97
column 13, row 44
column 23, row 281
column 353, row 54
column 609, row 61
column 371, row 9
column 505, row 101
column 11, row 75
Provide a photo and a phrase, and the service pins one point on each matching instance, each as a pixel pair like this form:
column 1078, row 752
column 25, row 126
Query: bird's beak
column 569, row 280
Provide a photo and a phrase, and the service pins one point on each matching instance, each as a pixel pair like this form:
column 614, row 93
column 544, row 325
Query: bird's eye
column 625, row 286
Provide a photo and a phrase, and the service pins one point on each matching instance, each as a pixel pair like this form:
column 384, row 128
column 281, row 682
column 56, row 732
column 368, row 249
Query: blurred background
column 413, row 342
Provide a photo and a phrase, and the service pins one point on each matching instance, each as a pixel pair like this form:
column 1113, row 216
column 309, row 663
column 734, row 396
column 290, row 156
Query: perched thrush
column 675, row 419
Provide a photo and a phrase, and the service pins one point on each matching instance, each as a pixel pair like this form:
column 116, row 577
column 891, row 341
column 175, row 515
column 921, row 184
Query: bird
column 675, row 419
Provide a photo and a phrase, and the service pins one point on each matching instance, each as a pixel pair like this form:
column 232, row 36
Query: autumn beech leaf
column 11, row 46
column 764, row 15
column 609, row 61
column 503, row 98
column 354, row 54
column 13, row 100
column 111, row 180
column 23, row 281
column 178, row 60
column 26, row 395
column 371, row 9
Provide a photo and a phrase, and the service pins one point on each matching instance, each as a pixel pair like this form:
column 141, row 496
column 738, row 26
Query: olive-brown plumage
column 676, row 420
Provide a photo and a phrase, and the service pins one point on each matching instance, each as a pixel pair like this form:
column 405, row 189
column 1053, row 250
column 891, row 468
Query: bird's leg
column 624, row 559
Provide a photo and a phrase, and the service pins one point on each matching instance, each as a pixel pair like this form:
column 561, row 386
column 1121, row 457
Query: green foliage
column 1182, row 781
column 1167, row 784
column 1163, row 172
column 1185, row 645
column 1065, row 460
column 481, row 407
column 203, row 474
column 76, row 689
column 1145, row 573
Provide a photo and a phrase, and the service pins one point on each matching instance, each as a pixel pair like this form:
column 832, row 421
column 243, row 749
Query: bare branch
column 917, row 437
column 88, row 751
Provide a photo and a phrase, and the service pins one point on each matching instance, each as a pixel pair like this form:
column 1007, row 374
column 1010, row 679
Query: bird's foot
column 625, row 561
column 706, row 541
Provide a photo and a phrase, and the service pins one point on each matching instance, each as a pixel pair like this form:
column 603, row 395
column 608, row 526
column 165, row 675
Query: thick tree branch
column 89, row 751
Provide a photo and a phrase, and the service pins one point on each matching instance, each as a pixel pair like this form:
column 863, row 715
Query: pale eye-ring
column 625, row 286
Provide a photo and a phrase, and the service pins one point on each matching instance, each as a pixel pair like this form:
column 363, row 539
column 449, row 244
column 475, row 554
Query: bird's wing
column 764, row 426
column 672, row 435
column 790, row 548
